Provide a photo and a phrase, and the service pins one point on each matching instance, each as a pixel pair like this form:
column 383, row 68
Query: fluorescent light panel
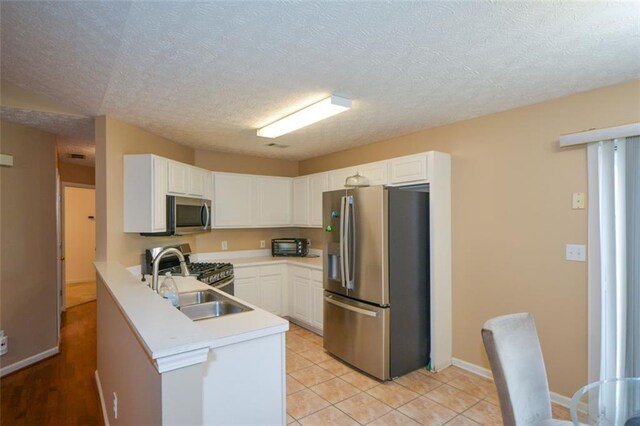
column 313, row 113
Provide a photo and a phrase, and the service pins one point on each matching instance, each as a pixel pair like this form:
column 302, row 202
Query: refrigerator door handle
column 367, row 312
column 343, row 203
column 351, row 240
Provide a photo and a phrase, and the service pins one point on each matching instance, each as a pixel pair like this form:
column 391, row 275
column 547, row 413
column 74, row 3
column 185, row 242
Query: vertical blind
column 614, row 259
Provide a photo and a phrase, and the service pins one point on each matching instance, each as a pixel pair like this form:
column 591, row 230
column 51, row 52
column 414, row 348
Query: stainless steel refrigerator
column 376, row 278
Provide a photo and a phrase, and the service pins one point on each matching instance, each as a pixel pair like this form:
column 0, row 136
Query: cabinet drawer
column 270, row 270
column 300, row 272
column 316, row 275
column 246, row 272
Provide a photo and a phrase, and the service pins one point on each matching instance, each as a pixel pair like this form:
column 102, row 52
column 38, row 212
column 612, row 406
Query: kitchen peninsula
column 157, row 366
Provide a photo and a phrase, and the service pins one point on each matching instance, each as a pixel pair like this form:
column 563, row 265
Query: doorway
column 78, row 244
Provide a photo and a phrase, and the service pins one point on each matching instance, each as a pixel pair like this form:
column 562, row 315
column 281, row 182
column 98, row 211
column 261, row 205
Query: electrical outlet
column 115, row 405
column 578, row 200
column 224, row 245
column 262, row 244
column 4, row 343
column 576, row 252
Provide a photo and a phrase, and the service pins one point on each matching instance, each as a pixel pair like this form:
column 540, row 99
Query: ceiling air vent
column 77, row 156
column 277, row 145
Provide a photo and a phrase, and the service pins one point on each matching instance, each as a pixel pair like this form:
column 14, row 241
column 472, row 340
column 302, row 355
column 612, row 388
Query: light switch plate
column 576, row 252
column 224, row 245
column 578, row 200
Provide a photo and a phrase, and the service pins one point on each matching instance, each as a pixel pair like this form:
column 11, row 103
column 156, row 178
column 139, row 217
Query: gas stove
column 207, row 272
column 218, row 275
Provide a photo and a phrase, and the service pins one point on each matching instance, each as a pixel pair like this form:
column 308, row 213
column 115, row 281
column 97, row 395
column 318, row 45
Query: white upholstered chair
column 518, row 370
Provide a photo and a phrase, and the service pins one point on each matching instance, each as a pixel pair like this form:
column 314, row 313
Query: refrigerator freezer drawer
column 357, row 333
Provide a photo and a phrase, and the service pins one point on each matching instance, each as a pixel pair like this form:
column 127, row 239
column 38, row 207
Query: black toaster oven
column 289, row 247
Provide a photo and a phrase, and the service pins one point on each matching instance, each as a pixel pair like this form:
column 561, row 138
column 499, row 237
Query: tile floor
column 324, row 391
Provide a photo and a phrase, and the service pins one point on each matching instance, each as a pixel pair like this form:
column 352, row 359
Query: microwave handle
column 205, row 223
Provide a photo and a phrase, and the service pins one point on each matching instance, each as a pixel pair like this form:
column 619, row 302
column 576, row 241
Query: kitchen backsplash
column 249, row 238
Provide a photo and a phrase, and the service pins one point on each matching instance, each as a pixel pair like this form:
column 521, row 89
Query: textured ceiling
column 75, row 133
column 208, row 74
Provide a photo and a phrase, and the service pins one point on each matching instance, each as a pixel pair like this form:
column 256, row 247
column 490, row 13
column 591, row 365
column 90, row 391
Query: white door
column 271, row 292
column 247, row 288
column 301, row 299
column 177, row 178
column 79, row 244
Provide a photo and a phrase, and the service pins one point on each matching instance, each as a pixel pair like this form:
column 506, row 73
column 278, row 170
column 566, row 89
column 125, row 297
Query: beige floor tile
column 394, row 418
column 427, row 412
column 328, row 416
column 392, row 394
column 293, row 385
column 452, row 398
column 418, row 382
column 316, row 355
column 359, row 380
column 461, row 421
column 485, row 414
column 363, row 408
column 295, row 362
column 311, row 376
column 470, row 385
column 303, row 403
column 335, row 367
column 313, row 338
column 290, row 419
column 559, row 412
column 493, row 398
column 299, row 344
column 445, row 375
column 335, row 390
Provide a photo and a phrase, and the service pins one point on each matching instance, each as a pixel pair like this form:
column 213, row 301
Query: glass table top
column 611, row 402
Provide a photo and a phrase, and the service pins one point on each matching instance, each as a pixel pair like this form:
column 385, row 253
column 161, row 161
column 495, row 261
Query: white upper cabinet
column 145, row 193
column 244, row 201
column 338, row 177
column 233, row 200
column 273, row 195
column 183, row 179
column 177, row 178
column 409, row 169
column 317, row 185
column 301, row 201
column 307, row 199
column 376, row 173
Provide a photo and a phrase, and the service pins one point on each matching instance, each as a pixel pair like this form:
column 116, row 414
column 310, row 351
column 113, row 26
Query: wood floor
column 79, row 293
column 60, row 390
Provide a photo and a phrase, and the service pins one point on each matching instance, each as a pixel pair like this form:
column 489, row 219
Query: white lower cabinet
column 262, row 286
column 317, row 296
column 305, row 302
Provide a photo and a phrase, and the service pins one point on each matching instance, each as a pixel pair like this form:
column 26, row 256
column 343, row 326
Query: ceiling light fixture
column 319, row 111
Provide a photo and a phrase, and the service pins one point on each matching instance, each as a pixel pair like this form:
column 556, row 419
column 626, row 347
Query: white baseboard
column 485, row 372
column 102, row 403
column 28, row 361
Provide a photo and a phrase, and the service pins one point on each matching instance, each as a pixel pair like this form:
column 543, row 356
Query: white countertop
column 165, row 332
column 246, row 258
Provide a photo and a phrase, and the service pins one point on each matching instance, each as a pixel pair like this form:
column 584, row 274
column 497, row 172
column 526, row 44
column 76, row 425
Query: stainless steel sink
column 204, row 304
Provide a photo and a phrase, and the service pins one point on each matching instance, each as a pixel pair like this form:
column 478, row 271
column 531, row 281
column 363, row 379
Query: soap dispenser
column 169, row 290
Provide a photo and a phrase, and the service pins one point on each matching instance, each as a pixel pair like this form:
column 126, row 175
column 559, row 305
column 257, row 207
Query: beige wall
column 114, row 139
column 28, row 293
column 241, row 239
column 79, row 234
column 512, row 217
column 235, row 163
column 75, row 173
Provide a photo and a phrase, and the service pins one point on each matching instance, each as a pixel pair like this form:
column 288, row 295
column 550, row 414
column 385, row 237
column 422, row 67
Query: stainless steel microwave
column 186, row 215
column 290, row 247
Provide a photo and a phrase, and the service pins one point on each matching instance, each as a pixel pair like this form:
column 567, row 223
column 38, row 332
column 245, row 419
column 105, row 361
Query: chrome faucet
column 156, row 265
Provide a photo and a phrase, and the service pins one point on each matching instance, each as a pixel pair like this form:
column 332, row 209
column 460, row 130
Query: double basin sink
column 205, row 304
